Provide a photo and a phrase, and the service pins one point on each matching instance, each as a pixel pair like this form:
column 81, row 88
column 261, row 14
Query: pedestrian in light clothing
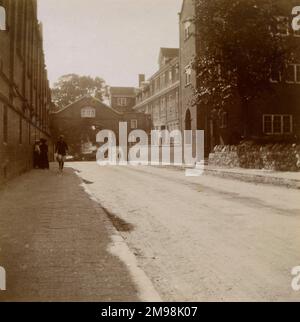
column 36, row 154
column 61, row 150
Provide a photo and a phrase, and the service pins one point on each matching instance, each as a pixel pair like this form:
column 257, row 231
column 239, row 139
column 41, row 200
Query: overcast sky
column 113, row 39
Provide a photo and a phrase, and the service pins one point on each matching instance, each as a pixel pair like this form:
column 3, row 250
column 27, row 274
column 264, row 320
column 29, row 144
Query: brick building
column 122, row 99
column 276, row 114
column 159, row 95
column 80, row 122
column 24, row 90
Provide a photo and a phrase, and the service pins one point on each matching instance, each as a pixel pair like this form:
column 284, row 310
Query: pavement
column 203, row 238
column 277, row 178
column 57, row 244
column 288, row 179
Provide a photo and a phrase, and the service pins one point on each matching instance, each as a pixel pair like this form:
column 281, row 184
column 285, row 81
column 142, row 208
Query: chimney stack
column 141, row 79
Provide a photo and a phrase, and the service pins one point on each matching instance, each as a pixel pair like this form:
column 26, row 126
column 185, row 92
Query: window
column 287, row 124
column 188, row 74
column 277, row 124
column 163, row 103
column 88, row 112
column 156, row 112
column 2, row 18
column 122, row 101
column 163, row 80
column 170, row 75
column 134, row 124
column 5, row 124
column 283, row 27
column 293, row 74
column 187, row 30
column 170, row 102
column 158, row 83
column 275, row 76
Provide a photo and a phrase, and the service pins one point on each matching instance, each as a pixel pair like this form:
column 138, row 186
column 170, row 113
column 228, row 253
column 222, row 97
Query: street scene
column 149, row 152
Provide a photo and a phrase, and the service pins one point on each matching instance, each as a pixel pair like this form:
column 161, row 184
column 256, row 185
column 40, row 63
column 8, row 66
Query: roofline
column 83, row 98
column 160, row 70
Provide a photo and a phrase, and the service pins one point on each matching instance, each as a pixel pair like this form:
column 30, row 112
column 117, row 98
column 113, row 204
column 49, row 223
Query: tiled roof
column 169, row 52
column 88, row 98
column 123, row 91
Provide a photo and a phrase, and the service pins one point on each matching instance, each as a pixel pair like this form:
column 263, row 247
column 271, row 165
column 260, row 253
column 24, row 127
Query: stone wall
column 276, row 157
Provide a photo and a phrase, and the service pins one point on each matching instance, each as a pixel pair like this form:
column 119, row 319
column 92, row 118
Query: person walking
column 61, row 150
column 44, row 161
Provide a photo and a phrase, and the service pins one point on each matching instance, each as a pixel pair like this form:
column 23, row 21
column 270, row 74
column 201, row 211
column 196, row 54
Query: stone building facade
column 159, row 95
column 24, row 90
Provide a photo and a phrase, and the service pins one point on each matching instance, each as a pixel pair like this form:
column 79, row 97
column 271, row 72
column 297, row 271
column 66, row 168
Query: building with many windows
column 275, row 115
column 24, row 90
column 159, row 95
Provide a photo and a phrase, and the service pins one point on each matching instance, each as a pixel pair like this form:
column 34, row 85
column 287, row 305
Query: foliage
column 239, row 48
column 72, row 87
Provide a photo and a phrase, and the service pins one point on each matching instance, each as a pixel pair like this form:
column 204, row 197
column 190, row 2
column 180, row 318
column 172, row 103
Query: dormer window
column 2, row 18
column 122, row 101
column 88, row 112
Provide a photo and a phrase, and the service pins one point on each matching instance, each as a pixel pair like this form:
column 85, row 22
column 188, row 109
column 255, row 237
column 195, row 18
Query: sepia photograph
column 149, row 154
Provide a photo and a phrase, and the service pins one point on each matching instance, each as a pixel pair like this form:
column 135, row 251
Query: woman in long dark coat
column 36, row 154
column 44, row 161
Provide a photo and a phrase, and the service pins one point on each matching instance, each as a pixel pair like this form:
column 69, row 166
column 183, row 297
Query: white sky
column 112, row 39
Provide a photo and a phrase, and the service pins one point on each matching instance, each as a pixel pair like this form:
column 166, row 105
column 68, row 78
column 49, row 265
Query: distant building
column 122, row 99
column 80, row 122
column 24, row 90
column 159, row 95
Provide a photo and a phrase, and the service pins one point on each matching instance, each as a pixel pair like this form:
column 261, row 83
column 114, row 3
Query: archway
column 188, row 120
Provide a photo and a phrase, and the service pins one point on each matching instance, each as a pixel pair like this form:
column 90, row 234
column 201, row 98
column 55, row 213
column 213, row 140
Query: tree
column 239, row 49
column 72, row 87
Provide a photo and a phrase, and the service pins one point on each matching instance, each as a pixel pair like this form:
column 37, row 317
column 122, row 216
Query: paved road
column 203, row 238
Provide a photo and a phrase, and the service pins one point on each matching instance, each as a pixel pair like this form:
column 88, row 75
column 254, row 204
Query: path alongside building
column 276, row 178
column 55, row 241
column 287, row 179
